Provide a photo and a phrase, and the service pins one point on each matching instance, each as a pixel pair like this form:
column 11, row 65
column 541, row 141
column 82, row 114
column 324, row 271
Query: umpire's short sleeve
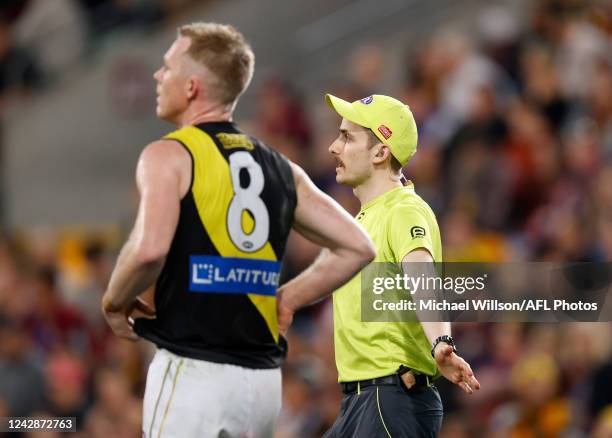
column 408, row 229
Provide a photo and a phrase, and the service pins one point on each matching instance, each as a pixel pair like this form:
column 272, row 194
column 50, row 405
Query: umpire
column 386, row 369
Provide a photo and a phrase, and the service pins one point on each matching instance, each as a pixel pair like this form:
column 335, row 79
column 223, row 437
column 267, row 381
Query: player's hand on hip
column 120, row 320
column 455, row 368
column 284, row 313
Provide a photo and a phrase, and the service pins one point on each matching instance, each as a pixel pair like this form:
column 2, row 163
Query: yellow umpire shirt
column 398, row 222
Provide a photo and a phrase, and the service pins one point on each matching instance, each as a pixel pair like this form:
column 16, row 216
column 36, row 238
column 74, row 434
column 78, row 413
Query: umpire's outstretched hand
column 455, row 368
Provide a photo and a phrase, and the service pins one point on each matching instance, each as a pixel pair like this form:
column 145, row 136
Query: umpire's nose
column 334, row 147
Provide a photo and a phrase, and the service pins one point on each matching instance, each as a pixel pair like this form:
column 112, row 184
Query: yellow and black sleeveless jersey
column 215, row 297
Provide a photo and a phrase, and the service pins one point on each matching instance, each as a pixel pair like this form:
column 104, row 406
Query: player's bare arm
column 347, row 248
column 451, row 365
column 162, row 177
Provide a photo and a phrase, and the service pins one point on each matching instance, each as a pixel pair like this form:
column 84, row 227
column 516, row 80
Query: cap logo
column 367, row 100
column 386, row 132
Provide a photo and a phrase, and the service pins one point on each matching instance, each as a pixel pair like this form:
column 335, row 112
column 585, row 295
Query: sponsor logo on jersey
column 214, row 274
column 417, row 231
column 367, row 100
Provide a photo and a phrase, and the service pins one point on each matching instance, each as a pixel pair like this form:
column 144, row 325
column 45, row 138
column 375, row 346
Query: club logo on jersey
column 233, row 141
column 417, row 231
column 367, row 100
column 214, row 274
column 385, row 131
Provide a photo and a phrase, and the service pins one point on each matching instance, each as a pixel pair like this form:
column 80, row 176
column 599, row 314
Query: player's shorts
column 188, row 398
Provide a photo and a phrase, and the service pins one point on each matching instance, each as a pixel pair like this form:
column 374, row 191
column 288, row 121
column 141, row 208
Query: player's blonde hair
column 225, row 53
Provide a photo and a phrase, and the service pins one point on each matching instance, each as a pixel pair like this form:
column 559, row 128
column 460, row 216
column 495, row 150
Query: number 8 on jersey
column 247, row 198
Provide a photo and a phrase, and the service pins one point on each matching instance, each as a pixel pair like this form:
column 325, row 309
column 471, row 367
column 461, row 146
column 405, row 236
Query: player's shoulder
column 231, row 137
column 181, row 132
column 162, row 149
column 164, row 156
column 271, row 152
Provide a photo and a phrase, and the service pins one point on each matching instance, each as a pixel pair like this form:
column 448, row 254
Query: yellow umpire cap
column 388, row 118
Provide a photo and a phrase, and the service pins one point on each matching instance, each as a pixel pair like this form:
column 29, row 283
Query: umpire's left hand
column 455, row 368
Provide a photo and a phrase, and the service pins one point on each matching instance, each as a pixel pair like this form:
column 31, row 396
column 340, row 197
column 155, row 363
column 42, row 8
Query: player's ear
column 194, row 87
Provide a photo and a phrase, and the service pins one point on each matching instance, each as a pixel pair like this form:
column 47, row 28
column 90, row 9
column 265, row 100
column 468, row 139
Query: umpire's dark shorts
column 389, row 411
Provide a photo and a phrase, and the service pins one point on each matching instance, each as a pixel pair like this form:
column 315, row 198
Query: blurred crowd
column 40, row 40
column 515, row 158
